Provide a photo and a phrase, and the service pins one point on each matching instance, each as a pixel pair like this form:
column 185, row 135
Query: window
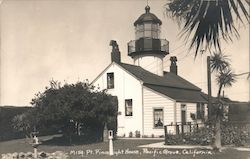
column 200, row 112
column 158, row 118
column 110, row 80
column 147, row 30
column 128, row 107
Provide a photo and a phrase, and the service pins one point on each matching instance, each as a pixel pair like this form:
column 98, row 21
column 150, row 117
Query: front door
column 183, row 118
column 183, row 113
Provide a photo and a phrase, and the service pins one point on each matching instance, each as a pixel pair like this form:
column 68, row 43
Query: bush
column 137, row 134
column 233, row 134
column 144, row 136
column 7, row 113
column 130, row 134
column 230, row 135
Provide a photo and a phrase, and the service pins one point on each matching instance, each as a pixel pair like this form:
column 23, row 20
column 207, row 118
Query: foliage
column 208, row 20
column 7, row 113
column 219, row 62
column 201, row 137
column 224, row 77
column 130, row 134
column 28, row 155
column 137, row 134
column 22, row 123
column 232, row 134
column 71, row 105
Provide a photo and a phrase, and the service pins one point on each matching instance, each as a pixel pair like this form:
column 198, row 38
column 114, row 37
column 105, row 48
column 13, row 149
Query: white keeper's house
column 148, row 96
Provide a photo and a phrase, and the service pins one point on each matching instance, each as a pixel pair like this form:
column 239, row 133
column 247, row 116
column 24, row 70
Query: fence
column 233, row 132
column 182, row 128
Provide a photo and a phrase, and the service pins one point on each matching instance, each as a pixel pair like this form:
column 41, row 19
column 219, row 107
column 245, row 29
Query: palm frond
column 219, row 62
column 208, row 21
column 226, row 78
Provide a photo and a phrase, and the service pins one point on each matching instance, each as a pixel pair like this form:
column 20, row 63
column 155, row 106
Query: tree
column 71, row 105
column 208, row 20
column 23, row 123
column 224, row 77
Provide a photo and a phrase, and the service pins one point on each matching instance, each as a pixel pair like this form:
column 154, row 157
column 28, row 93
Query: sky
column 68, row 41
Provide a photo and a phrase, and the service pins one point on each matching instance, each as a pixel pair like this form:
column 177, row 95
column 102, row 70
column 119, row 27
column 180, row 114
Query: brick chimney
column 115, row 54
column 173, row 66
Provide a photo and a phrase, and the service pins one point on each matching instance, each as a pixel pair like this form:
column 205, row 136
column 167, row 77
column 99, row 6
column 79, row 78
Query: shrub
column 161, row 136
column 230, row 135
column 137, row 134
column 233, row 134
column 130, row 134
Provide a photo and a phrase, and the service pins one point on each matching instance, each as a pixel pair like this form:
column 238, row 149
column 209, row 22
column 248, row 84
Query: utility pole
column 209, row 92
column 202, row 80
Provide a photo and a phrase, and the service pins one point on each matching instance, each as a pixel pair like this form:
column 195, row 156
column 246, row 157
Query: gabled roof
column 178, row 94
column 169, row 80
column 170, row 84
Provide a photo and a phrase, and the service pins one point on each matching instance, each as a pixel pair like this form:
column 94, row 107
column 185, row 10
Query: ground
column 123, row 149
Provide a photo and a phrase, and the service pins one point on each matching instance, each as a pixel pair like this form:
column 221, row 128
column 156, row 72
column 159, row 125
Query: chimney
column 173, row 66
column 115, row 54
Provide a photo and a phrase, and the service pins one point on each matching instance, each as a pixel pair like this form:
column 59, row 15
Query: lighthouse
column 148, row 49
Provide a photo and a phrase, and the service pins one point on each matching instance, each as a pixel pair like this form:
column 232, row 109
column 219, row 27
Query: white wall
column 126, row 86
column 191, row 108
column 153, row 100
column 151, row 63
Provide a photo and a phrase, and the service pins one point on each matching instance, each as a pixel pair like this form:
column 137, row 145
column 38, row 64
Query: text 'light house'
column 148, row 49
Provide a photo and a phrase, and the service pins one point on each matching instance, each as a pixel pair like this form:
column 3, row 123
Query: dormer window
column 110, row 80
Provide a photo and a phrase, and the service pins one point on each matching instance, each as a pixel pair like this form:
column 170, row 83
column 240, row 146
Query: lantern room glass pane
column 147, row 30
column 147, row 26
column 147, row 33
column 139, row 31
column 155, row 35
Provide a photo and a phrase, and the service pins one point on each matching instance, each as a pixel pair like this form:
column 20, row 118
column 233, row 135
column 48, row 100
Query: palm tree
column 208, row 20
column 219, row 63
column 225, row 78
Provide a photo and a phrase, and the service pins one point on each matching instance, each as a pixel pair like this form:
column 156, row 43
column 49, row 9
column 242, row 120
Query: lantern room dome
column 147, row 17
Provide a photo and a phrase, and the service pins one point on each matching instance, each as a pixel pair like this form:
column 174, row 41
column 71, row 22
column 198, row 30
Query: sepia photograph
column 124, row 79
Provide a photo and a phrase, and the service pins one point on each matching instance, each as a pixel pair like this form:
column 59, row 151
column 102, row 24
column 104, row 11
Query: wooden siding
column 126, row 86
column 191, row 108
column 154, row 100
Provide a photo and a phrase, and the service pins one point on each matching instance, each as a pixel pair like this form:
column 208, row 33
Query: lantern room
column 147, row 26
column 148, row 47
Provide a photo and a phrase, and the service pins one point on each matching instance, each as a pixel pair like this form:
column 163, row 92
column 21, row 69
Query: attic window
column 110, row 80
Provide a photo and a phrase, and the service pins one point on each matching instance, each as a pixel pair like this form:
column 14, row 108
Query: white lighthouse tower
column 148, row 50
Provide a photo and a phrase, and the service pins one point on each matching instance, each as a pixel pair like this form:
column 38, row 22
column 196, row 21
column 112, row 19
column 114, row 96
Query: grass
column 130, row 147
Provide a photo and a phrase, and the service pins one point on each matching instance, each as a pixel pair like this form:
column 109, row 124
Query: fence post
column 190, row 128
column 166, row 133
column 182, row 129
column 177, row 130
